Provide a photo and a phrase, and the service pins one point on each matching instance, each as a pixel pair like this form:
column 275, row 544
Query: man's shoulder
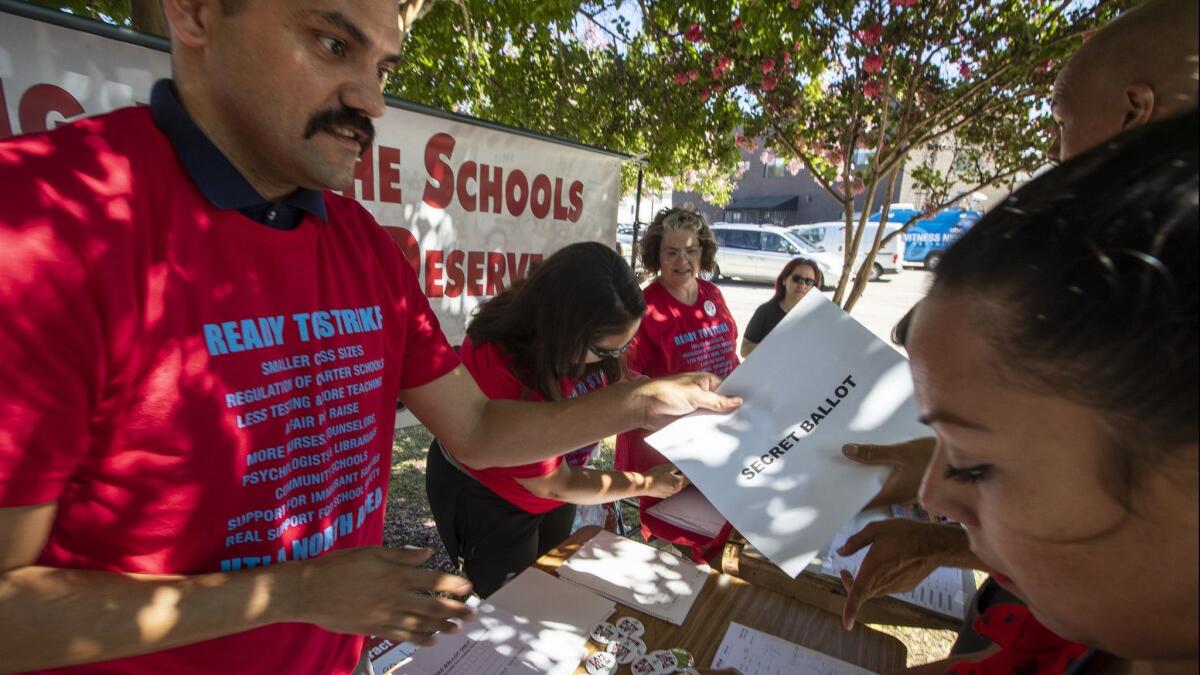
column 122, row 129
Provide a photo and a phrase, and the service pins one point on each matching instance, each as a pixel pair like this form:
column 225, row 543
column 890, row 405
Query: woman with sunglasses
column 557, row 334
column 687, row 328
column 798, row 277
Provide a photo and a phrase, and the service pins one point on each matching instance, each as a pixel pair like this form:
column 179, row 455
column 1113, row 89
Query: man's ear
column 1139, row 105
column 189, row 20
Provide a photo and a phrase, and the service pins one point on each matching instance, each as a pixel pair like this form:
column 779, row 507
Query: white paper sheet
column 754, row 652
column 689, row 510
column 942, row 592
column 818, row 381
column 639, row 576
column 542, row 627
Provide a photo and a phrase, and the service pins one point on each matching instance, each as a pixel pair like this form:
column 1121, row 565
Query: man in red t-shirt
column 202, row 351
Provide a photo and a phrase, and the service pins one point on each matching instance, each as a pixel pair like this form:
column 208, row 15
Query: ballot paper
column 945, row 591
column 534, row 624
column 774, row 468
column 754, row 652
column 634, row 574
column 688, row 509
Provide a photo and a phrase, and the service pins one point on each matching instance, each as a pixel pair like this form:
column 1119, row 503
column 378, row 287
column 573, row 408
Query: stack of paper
column 689, row 510
column 637, row 575
column 534, row 624
column 774, row 468
column 754, row 652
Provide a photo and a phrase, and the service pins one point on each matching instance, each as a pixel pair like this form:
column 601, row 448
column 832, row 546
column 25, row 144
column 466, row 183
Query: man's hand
column 908, row 461
column 663, row 480
column 903, row 552
column 378, row 591
column 666, row 398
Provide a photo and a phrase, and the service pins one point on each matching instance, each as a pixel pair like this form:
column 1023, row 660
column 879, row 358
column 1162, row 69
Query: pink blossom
column 787, row 58
column 692, row 75
column 704, row 95
column 742, row 142
column 873, row 63
column 871, row 35
column 681, row 78
column 724, row 62
column 795, row 4
column 769, row 82
column 873, row 89
column 794, row 165
column 768, row 65
column 767, row 156
column 964, row 70
column 738, row 25
column 718, row 87
column 694, row 34
column 904, row 3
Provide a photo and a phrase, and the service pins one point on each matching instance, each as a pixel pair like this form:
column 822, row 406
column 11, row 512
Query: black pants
column 491, row 539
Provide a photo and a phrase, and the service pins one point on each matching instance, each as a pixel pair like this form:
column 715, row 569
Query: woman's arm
column 577, row 485
column 747, row 347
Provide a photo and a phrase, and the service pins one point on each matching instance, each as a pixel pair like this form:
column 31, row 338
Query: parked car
column 759, row 252
column 928, row 238
column 831, row 236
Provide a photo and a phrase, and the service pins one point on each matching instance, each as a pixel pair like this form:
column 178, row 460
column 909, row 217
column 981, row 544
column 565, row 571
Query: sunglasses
column 803, row 281
column 610, row 353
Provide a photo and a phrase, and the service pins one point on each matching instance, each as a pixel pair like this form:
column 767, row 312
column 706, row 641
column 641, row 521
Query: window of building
column 777, row 168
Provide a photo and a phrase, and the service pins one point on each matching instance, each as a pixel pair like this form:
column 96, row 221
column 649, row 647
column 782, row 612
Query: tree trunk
column 147, row 16
column 864, row 271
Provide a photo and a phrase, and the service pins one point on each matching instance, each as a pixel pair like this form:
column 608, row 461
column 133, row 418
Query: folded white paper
column 639, row 576
column 689, row 510
column 774, row 468
column 534, row 624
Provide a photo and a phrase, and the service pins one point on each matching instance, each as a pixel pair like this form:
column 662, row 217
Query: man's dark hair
column 1086, row 282
column 550, row 319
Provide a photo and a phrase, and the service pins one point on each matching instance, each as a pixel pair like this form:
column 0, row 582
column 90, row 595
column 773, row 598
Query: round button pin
column 604, row 633
column 662, row 660
column 631, row 627
column 683, row 658
column 601, row 663
column 710, row 308
column 644, row 666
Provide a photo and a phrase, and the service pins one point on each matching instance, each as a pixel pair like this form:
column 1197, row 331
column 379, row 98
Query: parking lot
column 881, row 306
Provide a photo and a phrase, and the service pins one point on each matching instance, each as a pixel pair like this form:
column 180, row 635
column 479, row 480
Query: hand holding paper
column 774, row 468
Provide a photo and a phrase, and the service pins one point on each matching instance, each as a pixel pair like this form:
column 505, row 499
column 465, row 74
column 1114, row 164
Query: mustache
column 327, row 120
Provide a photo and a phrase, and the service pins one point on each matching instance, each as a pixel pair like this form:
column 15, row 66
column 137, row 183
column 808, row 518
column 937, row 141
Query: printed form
column 774, row 468
column 754, row 652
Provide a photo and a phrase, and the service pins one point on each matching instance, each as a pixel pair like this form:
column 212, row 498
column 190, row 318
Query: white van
column 830, row 236
column 759, row 252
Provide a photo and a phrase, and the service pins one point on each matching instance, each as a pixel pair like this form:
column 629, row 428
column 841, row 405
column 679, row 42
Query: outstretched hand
column 903, row 552
column 667, row 398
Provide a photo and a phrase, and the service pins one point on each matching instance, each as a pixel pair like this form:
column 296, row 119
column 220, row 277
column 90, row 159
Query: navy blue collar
column 216, row 177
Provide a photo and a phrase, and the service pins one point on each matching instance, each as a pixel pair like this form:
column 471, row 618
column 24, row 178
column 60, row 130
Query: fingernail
column 850, row 450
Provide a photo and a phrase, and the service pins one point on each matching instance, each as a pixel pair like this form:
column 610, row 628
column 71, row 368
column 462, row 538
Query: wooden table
column 726, row 598
column 826, row 592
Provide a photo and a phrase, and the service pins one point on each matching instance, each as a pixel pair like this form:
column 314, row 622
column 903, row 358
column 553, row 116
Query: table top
column 725, row 598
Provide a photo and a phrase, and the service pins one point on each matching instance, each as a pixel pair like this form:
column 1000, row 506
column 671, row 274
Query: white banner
column 471, row 206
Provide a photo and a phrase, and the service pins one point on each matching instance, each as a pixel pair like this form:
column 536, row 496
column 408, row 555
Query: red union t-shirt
column 198, row 392
column 677, row 338
column 492, row 368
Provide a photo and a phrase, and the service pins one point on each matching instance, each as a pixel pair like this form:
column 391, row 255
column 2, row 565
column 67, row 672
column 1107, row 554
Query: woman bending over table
column 558, row 334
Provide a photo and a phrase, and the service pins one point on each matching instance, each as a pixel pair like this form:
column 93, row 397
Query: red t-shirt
column 197, row 391
column 492, row 368
column 677, row 338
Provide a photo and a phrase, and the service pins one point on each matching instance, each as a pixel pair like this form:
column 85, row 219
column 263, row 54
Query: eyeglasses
column 803, row 281
column 610, row 353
